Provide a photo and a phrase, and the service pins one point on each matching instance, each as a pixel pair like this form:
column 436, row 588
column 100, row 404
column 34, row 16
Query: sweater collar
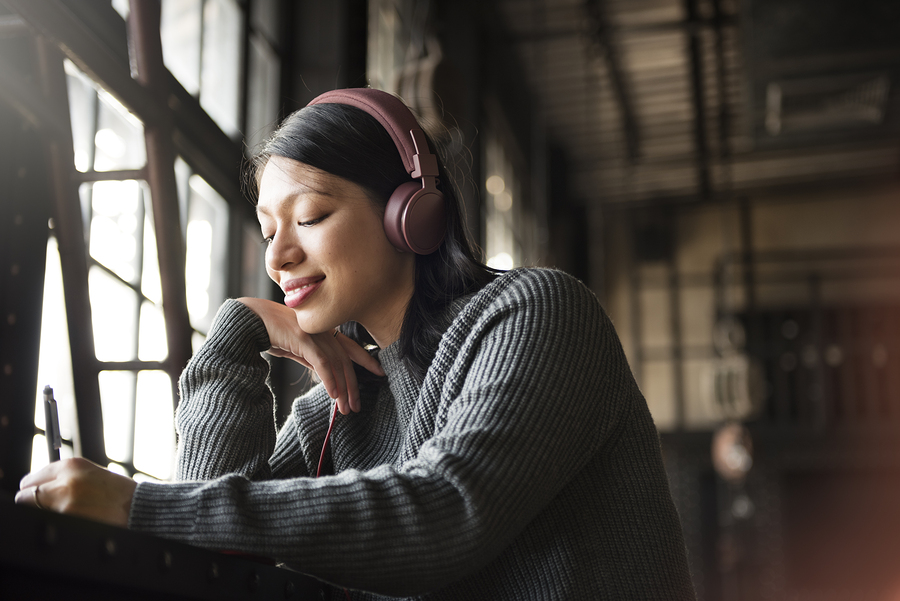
column 390, row 358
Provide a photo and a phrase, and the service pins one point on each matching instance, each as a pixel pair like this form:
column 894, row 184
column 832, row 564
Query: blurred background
column 722, row 173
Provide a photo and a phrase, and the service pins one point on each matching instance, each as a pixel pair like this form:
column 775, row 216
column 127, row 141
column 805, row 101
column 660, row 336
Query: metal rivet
column 165, row 561
column 253, row 580
column 51, row 224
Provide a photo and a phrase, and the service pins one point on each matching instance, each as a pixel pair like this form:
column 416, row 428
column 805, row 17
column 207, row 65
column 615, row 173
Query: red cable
column 322, row 459
column 327, row 438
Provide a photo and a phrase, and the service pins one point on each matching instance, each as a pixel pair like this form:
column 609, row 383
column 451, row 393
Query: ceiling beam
column 601, row 39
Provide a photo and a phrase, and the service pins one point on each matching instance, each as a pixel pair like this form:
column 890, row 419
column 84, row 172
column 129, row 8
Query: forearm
column 385, row 530
column 225, row 419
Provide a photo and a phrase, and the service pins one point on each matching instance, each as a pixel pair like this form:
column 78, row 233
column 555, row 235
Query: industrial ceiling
column 662, row 101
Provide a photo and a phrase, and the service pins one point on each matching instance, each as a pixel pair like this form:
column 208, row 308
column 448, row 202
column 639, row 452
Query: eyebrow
column 305, row 190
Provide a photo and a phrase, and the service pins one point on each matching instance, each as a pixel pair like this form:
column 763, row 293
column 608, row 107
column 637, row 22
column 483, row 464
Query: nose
column 284, row 251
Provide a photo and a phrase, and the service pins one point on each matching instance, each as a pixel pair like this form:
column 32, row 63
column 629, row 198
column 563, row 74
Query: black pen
column 51, row 421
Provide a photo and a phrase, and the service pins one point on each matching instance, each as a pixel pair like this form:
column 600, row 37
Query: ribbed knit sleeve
column 225, row 419
column 527, row 445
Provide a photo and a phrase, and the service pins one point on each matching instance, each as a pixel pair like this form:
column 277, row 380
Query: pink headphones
column 415, row 219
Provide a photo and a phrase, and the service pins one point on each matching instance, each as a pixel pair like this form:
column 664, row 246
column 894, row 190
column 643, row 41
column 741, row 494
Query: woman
column 491, row 444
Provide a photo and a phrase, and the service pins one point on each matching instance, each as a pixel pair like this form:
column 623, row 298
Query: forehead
column 285, row 181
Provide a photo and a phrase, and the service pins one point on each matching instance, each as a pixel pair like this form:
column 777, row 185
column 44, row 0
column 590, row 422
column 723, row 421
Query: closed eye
column 311, row 222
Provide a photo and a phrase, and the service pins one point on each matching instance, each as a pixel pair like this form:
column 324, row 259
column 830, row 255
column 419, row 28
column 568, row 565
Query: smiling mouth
column 295, row 296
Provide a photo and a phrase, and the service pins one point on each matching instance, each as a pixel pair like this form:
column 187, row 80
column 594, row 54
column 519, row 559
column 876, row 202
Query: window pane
column 254, row 279
column 182, row 179
column 180, row 34
column 119, row 140
column 83, row 114
column 152, row 344
column 197, row 340
column 117, row 402
column 262, row 92
column 55, row 358
column 121, row 7
column 116, row 227
column 114, row 307
column 151, row 285
column 221, row 63
column 154, row 435
column 265, row 18
column 207, row 253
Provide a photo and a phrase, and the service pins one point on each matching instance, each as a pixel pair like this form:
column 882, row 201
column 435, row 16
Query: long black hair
column 347, row 142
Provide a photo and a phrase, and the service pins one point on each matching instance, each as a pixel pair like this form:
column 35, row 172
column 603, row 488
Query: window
column 203, row 42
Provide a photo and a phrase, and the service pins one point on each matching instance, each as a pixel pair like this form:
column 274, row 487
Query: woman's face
column 328, row 252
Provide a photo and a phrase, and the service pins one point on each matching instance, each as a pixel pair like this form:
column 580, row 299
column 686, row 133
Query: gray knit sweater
column 526, row 466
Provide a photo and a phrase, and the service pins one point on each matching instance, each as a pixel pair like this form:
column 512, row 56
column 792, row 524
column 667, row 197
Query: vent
column 826, row 103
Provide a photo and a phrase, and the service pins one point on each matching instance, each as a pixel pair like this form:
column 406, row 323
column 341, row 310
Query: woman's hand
column 79, row 487
column 329, row 355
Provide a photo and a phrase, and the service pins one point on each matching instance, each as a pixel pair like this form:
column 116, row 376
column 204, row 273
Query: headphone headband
column 396, row 118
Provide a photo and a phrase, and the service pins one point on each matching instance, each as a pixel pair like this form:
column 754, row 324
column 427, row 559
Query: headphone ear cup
column 415, row 218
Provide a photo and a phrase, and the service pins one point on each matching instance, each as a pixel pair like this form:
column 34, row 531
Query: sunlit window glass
column 117, row 227
column 180, row 31
column 115, row 313
column 55, row 359
column 264, row 18
column 220, row 84
column 255, row 281
column 117, row 402
column 501, row 245
column 83, row 114
column 119, row 139
column 154, row 435
column 262, row 92
column 207, row 252
column 152, row 345
column 151, row 286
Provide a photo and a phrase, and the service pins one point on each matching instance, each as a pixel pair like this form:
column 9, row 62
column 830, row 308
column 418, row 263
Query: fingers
column 29, row 496
column 37, row 487
column 79, row 487
column 359, row 355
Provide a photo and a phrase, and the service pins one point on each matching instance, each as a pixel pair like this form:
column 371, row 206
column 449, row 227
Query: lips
column 298, row 290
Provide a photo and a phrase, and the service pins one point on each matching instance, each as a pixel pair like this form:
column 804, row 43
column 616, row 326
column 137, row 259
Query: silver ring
column 34, row 493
